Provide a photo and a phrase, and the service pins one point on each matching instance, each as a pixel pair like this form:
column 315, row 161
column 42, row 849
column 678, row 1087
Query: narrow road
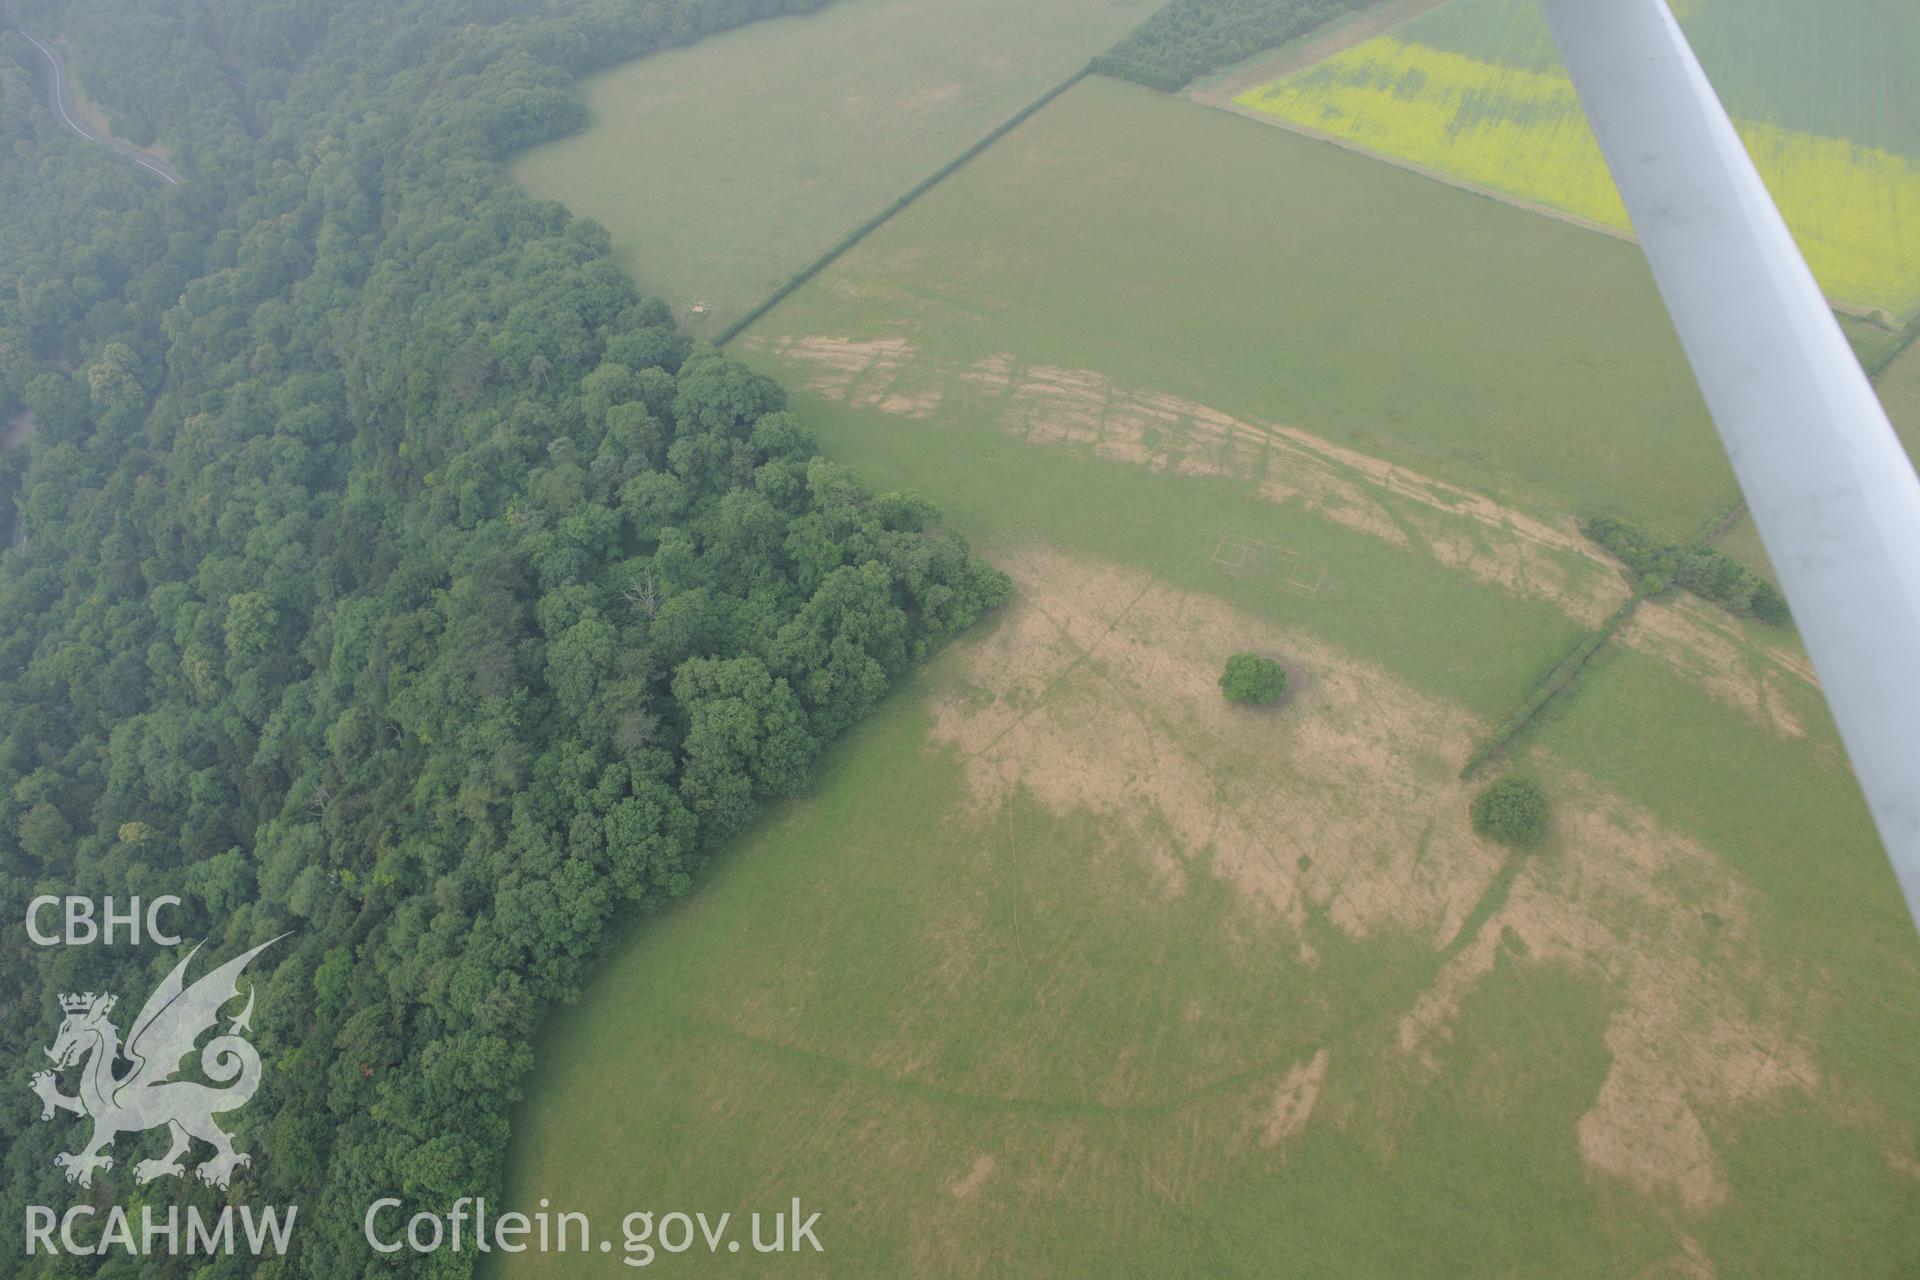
column 57, row 98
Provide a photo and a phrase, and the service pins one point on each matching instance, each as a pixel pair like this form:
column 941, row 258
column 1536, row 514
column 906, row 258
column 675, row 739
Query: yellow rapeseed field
column 1854, row 209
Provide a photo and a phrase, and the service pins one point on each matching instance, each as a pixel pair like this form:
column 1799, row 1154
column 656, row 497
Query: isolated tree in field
column 1512, row 811
column 1253, row 679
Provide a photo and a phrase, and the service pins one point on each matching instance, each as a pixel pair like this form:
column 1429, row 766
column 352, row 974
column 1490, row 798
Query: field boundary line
column 1568, row 669
column 878, row 220
column 1305, row 50
column 1908, row 336
column 1715, row 526
column 1860, row 311
column 1557, row 681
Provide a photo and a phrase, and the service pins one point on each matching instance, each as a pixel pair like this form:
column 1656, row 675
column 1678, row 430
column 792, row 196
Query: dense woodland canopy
column 392, row 574
column 1186, row 39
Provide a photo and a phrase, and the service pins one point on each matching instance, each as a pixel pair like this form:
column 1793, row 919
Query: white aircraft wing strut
column 1833, row 494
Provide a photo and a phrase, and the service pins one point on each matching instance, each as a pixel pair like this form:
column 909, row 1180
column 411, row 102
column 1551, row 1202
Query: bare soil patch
column 1293, row 1101
column 976, row 1177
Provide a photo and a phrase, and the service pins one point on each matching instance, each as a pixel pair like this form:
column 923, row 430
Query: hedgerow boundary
column 1568, row 669
column 1556, row 682
column 880, row 219
column 1566, row 672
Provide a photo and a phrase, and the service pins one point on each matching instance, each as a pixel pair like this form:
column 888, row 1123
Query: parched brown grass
column 1708, row 647
column 1095, row 694
column 1084, row 411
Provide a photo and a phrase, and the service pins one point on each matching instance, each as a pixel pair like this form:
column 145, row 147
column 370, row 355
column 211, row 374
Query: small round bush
column 1254, row 679
column 1512, row 811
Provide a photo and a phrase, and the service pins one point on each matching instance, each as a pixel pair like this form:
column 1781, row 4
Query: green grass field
column 724, row 168
column 1069, row 968
column 1790, row 825
column 1285, row 281
column 998, row 1046
column 1838, row 70
column 989, row 1005
column 1474, row 89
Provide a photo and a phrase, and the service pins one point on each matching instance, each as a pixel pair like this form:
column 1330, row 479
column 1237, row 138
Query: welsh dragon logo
column 147, row 1095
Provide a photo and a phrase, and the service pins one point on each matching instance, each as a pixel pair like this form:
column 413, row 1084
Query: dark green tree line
column 1188, row 38
column 1661, row 566
column 394, row 575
